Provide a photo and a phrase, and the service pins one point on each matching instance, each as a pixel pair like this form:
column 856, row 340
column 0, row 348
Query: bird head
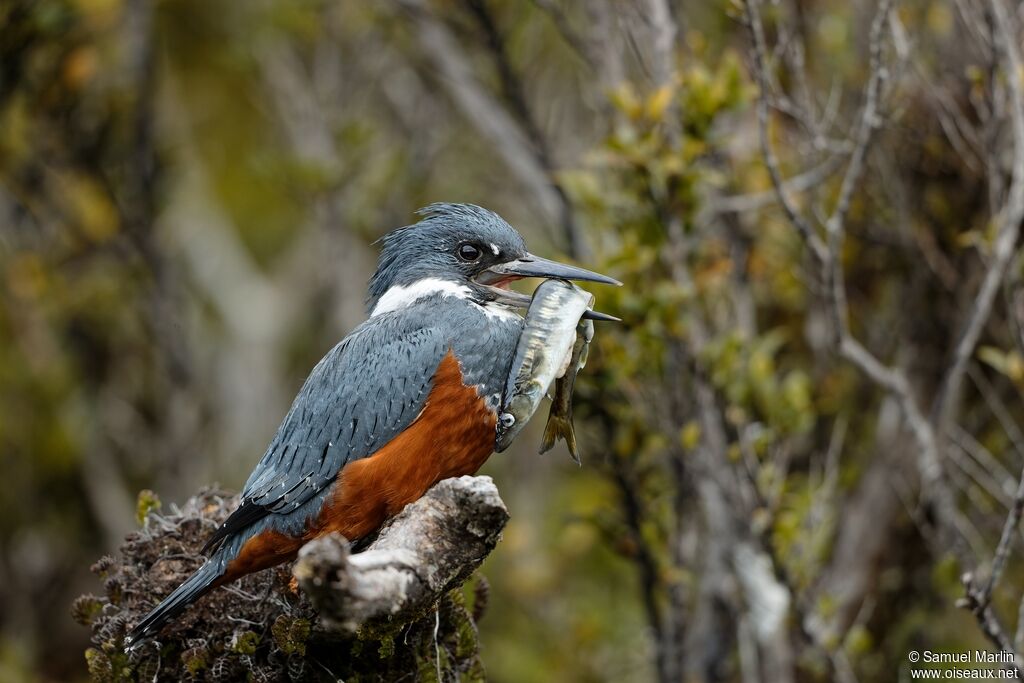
column 460, row 250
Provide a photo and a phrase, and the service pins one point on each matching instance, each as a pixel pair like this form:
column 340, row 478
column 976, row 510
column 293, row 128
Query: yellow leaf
column 79, row 67
column 91, row 207
column 624, row 99
column 689, row 436
column 658, row 102
column 1014, row 366
column 26, row 278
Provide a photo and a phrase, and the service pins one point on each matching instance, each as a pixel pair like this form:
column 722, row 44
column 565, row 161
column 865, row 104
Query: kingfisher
column 409, row 398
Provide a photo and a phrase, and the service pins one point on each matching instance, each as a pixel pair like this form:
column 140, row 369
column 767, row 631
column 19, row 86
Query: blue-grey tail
column 194, row 587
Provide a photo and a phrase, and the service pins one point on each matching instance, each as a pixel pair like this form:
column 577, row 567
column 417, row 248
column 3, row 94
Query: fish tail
column 570, row 441
column 558, row 427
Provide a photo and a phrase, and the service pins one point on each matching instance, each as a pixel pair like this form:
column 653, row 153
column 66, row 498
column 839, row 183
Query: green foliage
column 290, row 634
column 246, row 642
column 194, row 660
column 85, row 609
column 1009, row 363
column 147, row 502
column 387, row 647
column 745, row 372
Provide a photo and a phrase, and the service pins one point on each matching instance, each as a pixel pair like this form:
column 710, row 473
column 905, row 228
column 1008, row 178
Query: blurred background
column 806, row 430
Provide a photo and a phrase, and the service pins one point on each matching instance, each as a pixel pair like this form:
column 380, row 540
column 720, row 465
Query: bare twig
column 978, row 597
column 868, row 122
column 514, row 93
column 829, row 255
column 757, row 200
column 762, row 74
column 999, row 409
column 1009, row 221
column 455, row 74
column 988, row 622
column 572, row 38
column 661, row 26
column 1002, row 553
column 962, row 458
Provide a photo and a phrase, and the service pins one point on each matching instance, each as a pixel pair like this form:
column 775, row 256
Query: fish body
column 547, row 340
column 559, row 424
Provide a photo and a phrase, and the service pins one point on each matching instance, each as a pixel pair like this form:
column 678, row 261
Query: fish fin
column 556, row 428
column 553, row 430
column 570, row 441
column 560, row 428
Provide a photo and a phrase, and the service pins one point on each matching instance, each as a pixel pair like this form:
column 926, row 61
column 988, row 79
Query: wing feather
column 362, row 394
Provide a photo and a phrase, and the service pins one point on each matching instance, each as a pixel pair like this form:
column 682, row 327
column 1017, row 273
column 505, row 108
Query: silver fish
column 559, row 424
column 544, row 347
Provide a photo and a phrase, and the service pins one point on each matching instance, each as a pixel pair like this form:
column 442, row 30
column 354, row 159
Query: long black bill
column 535, row 266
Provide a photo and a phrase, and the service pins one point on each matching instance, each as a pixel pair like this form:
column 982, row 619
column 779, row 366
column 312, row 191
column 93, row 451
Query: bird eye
column 468, row 252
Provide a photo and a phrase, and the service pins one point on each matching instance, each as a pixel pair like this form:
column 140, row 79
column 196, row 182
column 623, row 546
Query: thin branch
column 977, row 473
column 868, row 122
column 647, row 564
column 999, row 409
column 1002, row 553
column 455, row 74
column 1018, row 636
column 514, row 93
column 565, row 29
column 978, row 598
column 988, row 462
column 756, row 200
column 989, row 623
column 661, row 25
column 762, row 73
column 1009, row 222
column 829, row 256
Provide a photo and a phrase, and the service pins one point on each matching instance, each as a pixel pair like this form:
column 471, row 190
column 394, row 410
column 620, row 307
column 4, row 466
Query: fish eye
column 468, row 252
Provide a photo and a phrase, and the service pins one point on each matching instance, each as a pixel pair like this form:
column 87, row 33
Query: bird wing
column 362, row 394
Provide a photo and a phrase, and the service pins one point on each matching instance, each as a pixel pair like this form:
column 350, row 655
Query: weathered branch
column 402, row 586
column 429, row 548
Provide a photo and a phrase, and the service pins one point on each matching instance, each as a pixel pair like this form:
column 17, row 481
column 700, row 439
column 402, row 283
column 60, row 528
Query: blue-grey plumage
column 368, row 389
column 408, row 397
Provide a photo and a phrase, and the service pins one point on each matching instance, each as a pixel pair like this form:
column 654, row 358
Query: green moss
column 146, row 502
column 290, row 634
column 387, row 647
column 85, row 609
column 100, row 668
column 194, row 660
column 246, row 643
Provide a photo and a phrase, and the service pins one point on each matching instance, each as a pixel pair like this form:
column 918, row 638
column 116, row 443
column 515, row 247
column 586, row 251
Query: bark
column 395, row 611
column 429, row 548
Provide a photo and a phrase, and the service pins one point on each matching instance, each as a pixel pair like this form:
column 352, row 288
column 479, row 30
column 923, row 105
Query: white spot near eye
column 403, row 296
column 494, row 248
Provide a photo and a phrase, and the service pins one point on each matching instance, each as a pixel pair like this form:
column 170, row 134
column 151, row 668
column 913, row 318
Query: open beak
column 499, row 275
column 535, row 266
